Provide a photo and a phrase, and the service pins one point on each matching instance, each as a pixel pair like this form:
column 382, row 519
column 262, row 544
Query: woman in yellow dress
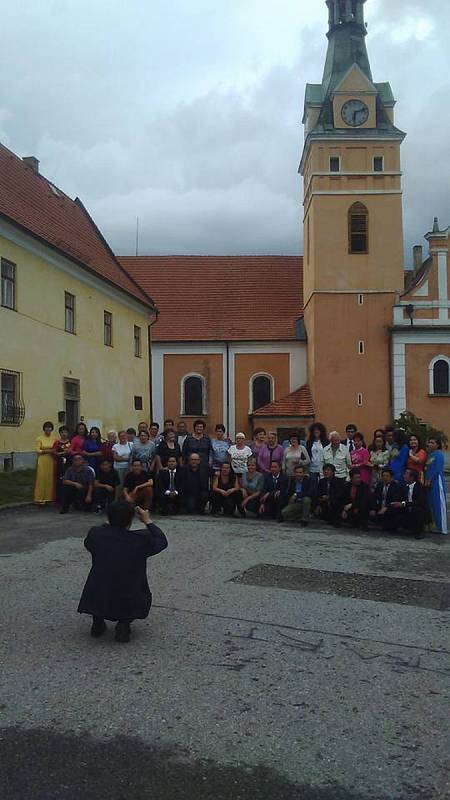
column 45, row 486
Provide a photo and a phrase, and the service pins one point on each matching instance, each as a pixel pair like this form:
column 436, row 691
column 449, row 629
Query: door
column 72, row 403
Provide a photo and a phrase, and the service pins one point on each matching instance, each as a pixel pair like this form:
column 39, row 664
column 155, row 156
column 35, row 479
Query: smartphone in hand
column 143, row 515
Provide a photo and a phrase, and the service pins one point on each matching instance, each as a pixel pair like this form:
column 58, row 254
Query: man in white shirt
column 338, row 455
column 169, row 487
column 348, row 442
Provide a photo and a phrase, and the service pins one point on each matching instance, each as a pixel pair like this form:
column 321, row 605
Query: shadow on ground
column 44, row 765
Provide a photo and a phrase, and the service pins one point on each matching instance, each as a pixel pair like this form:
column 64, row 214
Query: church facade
column 351, row 336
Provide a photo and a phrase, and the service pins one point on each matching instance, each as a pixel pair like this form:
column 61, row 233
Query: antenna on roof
column 137, row 236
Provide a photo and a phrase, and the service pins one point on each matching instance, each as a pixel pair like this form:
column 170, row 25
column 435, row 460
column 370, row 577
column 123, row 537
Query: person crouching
column 117, row 588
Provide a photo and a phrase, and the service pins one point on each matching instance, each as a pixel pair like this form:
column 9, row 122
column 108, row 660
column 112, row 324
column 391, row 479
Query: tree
column 414, row 426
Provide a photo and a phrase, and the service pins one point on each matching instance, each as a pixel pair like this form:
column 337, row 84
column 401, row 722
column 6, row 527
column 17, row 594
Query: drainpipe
column 150, row 360
column 227, row 345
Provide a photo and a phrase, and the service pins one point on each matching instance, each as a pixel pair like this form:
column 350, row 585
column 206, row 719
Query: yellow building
column 74, row 326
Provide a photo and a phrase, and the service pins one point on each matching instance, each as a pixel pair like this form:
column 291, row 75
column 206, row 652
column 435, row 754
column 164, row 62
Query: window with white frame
column 261, row 391
column 8, row 273
column 193, row 396
column 12, row 411
column 440, row 376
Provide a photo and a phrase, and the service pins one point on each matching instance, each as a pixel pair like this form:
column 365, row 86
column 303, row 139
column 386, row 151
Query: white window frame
column 250, row 388
column 431, row 373
column 182, row 398
column 360, row 299
column 361, row 347
column 378, row 171
column 8, row 285
column 360, row 399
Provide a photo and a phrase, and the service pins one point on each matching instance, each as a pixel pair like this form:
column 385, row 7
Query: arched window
column 358, row 229
column 441, row 376
column 261, row 391
column 193, row 400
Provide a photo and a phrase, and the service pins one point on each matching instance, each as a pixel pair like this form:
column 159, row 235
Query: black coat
column 334, row 493
column 282, row 485
column 117, row 586
column 194, row 484
column 163, row 482
column 307, row 487
column 394, row 495
column 361, row 501
column 419, row 500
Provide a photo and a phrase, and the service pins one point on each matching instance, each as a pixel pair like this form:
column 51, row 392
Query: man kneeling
column 299, row 493
column 117, row 588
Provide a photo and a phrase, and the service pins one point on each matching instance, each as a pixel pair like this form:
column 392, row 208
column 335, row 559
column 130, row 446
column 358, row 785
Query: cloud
column 188, row 115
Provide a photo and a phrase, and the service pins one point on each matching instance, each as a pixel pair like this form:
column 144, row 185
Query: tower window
column 359, row 399
column 358, row 229
column 335, row 164
column 441, row 377
column 138, row 405
column 361, row 347
column 360, row 299
column 378, row 164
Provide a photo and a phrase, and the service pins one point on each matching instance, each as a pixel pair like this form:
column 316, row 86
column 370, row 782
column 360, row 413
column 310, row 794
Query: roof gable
column 355, row 81
column 33, row 203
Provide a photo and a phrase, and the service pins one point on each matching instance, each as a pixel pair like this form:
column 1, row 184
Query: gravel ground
column 230, row 691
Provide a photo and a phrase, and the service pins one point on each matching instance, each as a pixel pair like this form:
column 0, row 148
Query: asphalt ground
column 232, row 690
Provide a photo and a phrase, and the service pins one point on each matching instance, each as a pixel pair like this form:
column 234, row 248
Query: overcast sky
column 188, row 113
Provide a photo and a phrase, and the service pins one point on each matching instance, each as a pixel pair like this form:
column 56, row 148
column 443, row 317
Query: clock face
column 355, row 113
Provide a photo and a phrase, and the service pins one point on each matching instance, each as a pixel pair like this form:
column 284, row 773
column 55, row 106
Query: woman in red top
column 417, row 458
column 78, row 441
column 360, row 457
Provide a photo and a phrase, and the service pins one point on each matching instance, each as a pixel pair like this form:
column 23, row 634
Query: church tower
column 353, row 228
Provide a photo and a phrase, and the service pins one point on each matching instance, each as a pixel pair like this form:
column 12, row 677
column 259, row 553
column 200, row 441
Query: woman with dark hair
column 62, row 455
column 399, row 455
column 435, row 483
column 44, row 487
column 79, row 438
column 93, row 447
column 167, row 448
column 360, row 458
column 417, row 459
column 295, row 455
column 226, row 493
column 197, row 442
column 379, row 456
column 317, row 440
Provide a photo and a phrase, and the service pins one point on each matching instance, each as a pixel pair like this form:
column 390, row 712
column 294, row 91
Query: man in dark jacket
column 386, row 510
column 356, row 501
column 195, row 485
column 169, row 487
column 414, row 507
column 117, row 588
column 274, row 494
column 329, row 497
column 299, row 493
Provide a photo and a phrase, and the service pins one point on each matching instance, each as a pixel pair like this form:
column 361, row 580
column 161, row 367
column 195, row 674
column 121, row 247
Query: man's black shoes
column 123, row 631
column 98, row 628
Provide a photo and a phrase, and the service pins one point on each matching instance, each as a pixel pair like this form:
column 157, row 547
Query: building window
column 378, row 164
column 261, row 391
column 69, row 306
column 138, row 406
column 361, row 347
column 193, row 399
column 8, row 284
column 359, row 399
column 107, row 328
column 441, row 376
column 335, row 164
column 358, row 229
column 360, row 299
column 12, row 411
column 137, row 342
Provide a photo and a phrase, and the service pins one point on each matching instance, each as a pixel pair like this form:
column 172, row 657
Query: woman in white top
column 295, row 455
column 239, row 454
column 121, row 455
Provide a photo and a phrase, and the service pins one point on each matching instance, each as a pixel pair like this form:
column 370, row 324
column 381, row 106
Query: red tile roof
column 296, row 404
column 31, row 201
column 222, row 298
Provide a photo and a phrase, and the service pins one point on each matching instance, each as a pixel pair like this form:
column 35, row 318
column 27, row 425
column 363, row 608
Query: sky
column 187, row 114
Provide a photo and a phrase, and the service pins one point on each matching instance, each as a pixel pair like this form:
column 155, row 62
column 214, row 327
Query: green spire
column 346, row 42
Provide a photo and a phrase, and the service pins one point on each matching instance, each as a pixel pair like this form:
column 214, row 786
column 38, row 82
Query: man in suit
column 356, row 502
column 299, row 492
column 274, row 494
column 169, row 487
column 329, row 496
column 349, row 441
column 117, row 588
column 414, row 506
column 388, row 494
column 195, row 485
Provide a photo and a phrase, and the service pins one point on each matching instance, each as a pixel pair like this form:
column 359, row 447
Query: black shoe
column 64, row 511
column 304, row 523
column 419, row 536
column 242, row 512
column 122, row 632
column 98, row 628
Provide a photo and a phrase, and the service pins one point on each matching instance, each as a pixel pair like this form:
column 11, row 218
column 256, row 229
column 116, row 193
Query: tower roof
column 346, row 43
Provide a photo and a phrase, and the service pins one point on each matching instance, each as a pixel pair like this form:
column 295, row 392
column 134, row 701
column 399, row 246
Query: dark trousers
column 390, row 521
column 101, row 497
column 70, row 495
column 329, row 513
column 195, row 504
column 169, row 505
column 253, row 505
column 226, row 504
column 357, row 517
column 273, row 506
column 413, row 520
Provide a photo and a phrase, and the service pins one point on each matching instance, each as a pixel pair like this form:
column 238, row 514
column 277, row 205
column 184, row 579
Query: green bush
column 414, row 426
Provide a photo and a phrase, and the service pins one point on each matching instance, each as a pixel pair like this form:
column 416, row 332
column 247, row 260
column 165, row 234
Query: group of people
column 394, row 483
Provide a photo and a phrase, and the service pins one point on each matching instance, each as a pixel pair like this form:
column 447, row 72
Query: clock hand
column 355, row 114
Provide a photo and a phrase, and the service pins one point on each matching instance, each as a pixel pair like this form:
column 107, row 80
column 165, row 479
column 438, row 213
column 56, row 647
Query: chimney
column 417, row 257
column 33, row 162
